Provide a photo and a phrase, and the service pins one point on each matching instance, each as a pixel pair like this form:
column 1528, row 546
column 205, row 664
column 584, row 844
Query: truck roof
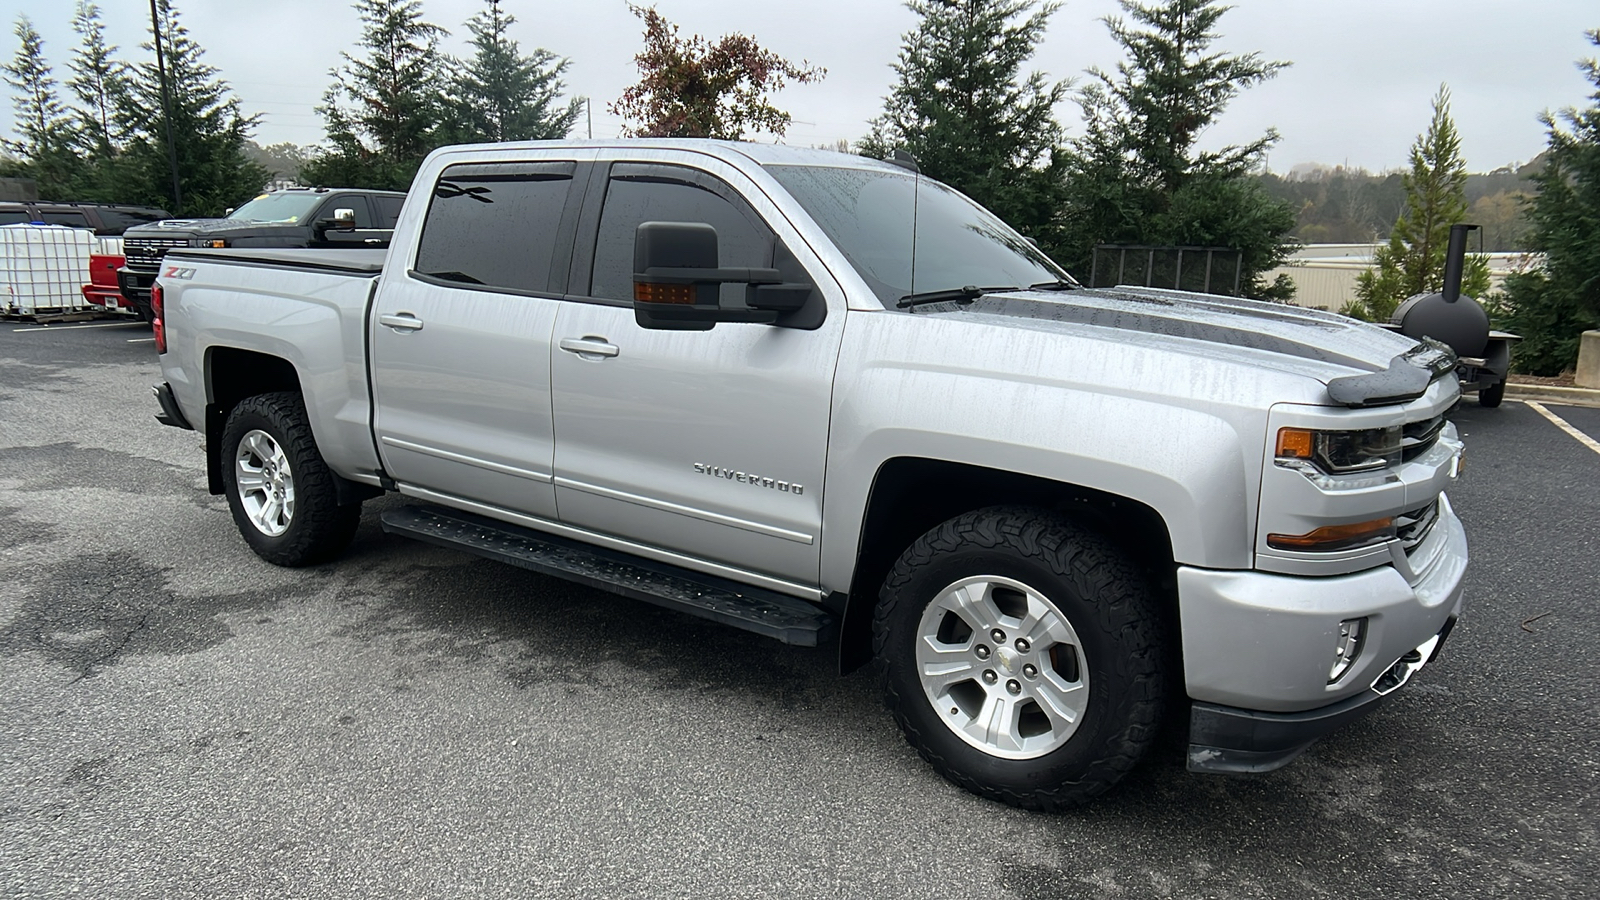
column 764, row 154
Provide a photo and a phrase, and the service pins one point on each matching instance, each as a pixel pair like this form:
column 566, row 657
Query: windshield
column 868, row 214
column 277, row 208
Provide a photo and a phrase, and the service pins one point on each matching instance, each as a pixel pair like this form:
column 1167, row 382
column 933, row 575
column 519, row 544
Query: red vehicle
column 102, row 288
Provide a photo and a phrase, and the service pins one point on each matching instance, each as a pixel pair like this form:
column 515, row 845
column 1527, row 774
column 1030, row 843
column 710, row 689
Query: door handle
column 401, row 321
column 589, row 346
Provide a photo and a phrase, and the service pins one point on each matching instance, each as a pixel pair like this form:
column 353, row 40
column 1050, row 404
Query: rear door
column 709, row 444
column 460, row 349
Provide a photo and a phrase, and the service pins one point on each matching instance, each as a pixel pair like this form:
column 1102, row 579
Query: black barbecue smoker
column 1484, row 354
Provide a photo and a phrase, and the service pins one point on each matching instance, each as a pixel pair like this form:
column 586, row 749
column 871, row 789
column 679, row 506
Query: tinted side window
column 638, row 194
column 353, row 202
column 115, row 221
column 495, row 224
column 388, row 210
column 71, row 218
column 15, row 217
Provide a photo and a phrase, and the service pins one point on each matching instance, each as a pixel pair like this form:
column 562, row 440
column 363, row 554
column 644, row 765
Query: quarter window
column 494, row 225
column 639, row 194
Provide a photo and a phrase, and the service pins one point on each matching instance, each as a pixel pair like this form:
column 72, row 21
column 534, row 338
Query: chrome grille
column 1418, row 437
column 1413, row 527
column 146, row 253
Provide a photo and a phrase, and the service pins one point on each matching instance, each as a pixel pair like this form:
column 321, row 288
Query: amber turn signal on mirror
column 647, row 292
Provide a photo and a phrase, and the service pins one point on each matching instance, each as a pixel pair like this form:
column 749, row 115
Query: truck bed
column 355, row 262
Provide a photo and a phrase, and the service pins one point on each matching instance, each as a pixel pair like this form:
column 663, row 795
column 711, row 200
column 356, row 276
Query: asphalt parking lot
column 180, row 719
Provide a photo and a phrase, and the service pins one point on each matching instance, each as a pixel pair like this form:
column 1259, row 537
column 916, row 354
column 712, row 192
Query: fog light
column 1347, row 647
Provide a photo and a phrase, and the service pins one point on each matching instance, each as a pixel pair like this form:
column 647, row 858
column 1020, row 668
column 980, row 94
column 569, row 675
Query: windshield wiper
column 1055, row 286
column 959, row 295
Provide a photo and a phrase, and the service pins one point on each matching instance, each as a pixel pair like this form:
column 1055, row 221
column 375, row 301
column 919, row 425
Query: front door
column 461, row 340
column 710, row 444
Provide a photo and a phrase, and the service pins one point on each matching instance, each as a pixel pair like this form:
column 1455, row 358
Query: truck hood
column 177, row 228
column 1322, row 345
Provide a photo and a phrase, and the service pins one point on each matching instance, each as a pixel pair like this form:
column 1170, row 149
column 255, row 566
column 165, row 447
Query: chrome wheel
column 266, row 485
column 1002, row 667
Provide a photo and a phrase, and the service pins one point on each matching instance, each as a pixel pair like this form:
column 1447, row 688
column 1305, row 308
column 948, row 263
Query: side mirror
column 676, row 279
column 344, row 218
column 229, row 211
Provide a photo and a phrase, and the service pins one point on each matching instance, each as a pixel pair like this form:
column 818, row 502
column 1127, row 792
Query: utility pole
column 589, row 106
column 166, row 110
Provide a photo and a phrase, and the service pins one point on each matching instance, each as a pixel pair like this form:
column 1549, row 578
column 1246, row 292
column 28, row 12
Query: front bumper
column 1258, row 647
column 135, row 284
column 1230, row 741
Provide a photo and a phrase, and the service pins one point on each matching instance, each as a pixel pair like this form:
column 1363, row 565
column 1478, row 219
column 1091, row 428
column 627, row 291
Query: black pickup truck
column 293, row 217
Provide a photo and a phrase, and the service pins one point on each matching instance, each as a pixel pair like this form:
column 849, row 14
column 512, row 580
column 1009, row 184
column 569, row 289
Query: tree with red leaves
column 694, row 88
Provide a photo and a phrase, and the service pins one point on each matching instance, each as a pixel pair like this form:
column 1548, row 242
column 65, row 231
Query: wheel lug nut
column 981, row 651
column 1023, row 645
column 989, row 676
column 1030, row 671
column 998, row 635
column 1014, row 686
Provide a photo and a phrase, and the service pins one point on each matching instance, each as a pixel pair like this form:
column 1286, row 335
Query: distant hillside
column 1336, row 205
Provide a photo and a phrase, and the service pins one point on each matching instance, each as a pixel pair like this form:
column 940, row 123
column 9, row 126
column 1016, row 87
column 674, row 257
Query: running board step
column 788, row 619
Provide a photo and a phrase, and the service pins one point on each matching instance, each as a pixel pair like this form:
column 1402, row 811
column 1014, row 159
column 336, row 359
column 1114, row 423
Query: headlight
column 207, row 242
column 1340, row 452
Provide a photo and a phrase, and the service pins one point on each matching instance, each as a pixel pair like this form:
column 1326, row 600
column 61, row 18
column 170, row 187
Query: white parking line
column 1562, row 424
column 140, row 340
column 72, row 327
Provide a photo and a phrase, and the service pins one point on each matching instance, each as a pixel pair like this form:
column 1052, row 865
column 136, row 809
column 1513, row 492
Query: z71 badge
column 747, row 478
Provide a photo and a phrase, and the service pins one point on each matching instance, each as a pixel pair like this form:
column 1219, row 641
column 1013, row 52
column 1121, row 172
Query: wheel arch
column 231, row 375
column 910, row 495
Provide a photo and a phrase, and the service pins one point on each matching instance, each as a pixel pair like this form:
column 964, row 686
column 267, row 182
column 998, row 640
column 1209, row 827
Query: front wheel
column 1022, row 657
column 282, row 495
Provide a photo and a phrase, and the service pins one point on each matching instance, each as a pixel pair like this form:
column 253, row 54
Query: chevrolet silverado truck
column 824, row 399
column 292, row 217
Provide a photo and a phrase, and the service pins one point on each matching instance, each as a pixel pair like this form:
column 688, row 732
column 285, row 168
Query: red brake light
column 157, row 325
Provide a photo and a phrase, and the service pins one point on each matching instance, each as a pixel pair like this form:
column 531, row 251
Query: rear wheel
column 282, row 495
column 1022, row 657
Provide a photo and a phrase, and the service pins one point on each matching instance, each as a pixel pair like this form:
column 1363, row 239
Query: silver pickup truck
column 824, row 399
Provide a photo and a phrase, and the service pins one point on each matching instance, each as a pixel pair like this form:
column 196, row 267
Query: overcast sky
column 1357, row 94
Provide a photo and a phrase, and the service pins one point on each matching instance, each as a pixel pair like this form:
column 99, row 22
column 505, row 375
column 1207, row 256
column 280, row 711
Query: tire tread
column 1096, row 569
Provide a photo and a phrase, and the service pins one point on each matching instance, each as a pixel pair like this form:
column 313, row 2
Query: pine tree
column 694, row 88
column 42, row 122
column 97, row 77
column 1436, row 198
column 208, row 130
column 501, row 95
column 1136, row 176
column 964, row 110
column 384, row 110
column 1553, row 304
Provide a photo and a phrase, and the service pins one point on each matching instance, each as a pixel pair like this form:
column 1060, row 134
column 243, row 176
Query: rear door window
column 388, row 210
column 495, row 225
column 658, row 193
column 116, row 221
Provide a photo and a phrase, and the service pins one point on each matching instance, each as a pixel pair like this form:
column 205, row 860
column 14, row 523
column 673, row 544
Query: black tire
column 146, row 311
column 1118, row 631
column 319, row 528
column 1491, row 396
